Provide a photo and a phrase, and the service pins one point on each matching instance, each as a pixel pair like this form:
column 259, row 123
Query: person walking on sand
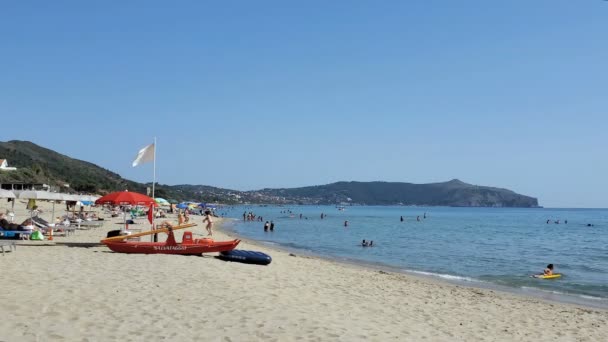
column 209, row 221
column 180, row 218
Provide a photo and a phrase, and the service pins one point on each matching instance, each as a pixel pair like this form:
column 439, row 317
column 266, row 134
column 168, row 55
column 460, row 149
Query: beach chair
column 91, row 224
column 45, row 227
column 12, row 245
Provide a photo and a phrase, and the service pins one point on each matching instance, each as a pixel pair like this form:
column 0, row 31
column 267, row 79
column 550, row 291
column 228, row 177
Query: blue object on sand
column 247, row 257
column 15, row 234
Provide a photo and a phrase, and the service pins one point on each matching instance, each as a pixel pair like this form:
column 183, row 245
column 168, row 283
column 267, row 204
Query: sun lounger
column 45, row 226
column 89, row 224
column 12, row 245
column 15, row 234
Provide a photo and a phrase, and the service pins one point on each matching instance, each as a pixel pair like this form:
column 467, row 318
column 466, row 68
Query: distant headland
column 33, row 164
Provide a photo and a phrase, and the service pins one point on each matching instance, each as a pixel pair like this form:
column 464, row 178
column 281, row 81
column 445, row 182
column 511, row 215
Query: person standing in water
column 266, row 225
column 271, row 226
column 424, row 215
column 345, row 223
column 418, row 218
column 401, row 218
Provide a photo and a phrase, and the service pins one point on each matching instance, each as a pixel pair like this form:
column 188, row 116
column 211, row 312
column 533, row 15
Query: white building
column 4, row 166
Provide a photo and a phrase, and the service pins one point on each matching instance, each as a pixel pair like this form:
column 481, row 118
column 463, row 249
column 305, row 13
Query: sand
column 63, row 293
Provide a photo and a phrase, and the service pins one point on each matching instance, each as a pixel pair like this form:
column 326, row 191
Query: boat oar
column 150, row 232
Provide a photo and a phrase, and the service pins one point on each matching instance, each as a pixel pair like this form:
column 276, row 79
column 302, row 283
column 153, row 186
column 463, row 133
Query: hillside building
column 4, row 166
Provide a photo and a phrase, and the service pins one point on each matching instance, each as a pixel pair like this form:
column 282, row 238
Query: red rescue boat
column 188, row 246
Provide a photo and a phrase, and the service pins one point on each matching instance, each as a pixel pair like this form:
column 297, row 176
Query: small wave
column 564, row 293
column 592, row 297
column 446, row 276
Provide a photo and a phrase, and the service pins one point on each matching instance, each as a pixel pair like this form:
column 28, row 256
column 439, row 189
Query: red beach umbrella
column 126, row 197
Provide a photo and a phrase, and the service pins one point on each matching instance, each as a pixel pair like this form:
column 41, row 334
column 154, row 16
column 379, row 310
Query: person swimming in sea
column 547, row 272
column 364, row 243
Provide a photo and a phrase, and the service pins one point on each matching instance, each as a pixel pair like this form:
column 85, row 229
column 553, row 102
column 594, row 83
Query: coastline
column 67, row 292
column 533, row 294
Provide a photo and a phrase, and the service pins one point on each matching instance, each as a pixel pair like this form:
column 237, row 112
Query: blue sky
column 253, row 94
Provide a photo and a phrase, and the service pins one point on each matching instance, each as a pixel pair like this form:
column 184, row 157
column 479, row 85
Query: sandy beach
column 63, row 292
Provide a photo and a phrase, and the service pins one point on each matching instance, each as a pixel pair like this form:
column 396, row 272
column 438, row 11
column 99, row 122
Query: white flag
column 145, row 155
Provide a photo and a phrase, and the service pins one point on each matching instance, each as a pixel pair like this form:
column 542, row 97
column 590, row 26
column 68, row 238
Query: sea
column 485, row 247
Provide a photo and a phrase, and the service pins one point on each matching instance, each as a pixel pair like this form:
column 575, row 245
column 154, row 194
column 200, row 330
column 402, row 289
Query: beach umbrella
column 126, row 198
column 39, row 195
column 161, row 201
column 182, row 206
column 7, row 194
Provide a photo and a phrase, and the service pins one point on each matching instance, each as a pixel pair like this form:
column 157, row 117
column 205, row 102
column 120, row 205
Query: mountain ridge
column 37, row 164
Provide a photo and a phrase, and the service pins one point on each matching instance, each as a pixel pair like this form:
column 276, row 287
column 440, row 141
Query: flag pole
column 154, row 236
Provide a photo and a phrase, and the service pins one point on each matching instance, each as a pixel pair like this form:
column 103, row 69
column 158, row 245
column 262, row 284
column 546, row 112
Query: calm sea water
column 499, row 246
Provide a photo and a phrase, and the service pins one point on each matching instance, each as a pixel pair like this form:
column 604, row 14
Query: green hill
column 36, row 164
column 452, row 193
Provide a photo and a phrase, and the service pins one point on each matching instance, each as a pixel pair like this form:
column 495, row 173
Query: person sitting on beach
column 549, row 270
column 364, row 243
column 165, row 224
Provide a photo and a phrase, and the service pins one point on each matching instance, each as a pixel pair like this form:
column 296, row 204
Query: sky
column 253, row 94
